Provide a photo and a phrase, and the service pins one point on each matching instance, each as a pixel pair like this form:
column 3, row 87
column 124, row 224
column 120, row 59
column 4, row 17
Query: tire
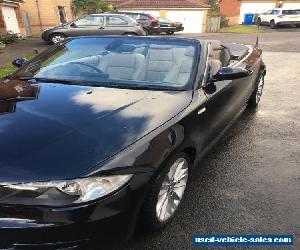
column 170, row 32
column 56, row 38
column 130, row 34
column 257, row 93
column 273, row 24
column 165, row 196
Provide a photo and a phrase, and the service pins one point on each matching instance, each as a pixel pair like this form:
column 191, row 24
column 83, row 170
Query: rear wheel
column 273, row 24
column 257, row 93
column 166, row 194
column 56, row 38
column 130, row 34
column 170, row 32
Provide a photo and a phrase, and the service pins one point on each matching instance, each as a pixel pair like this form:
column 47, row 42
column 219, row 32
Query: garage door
column 192, row 20
column 10, row 19
column 254, row 8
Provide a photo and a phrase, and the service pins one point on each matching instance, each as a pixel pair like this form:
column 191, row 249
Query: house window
column 62, row 14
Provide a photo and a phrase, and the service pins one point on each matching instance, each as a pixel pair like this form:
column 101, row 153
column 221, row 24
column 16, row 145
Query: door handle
column 101, row 28
column 201, row 111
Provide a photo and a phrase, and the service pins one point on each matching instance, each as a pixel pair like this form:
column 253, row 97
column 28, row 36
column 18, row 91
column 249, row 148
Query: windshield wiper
column 54, row 80
column 108, row 84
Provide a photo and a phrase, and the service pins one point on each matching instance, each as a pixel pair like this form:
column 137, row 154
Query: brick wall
column 48, row 13
column 230, row 8
column 19, row 17
column 2, row 25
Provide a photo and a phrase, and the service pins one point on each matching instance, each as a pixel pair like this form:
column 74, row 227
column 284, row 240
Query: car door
column 116, row 25
column 225, row 101
column 87, row 26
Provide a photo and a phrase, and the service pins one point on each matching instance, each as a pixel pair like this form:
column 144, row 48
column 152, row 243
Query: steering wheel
column 89, row 66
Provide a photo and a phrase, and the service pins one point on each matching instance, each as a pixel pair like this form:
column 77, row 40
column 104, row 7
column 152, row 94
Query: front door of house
column 10, row 19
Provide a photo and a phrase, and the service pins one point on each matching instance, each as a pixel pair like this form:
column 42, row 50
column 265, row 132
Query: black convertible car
column 98, row 135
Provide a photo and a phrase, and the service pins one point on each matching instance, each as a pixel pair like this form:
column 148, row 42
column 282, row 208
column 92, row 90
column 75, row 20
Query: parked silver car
column 95, row 24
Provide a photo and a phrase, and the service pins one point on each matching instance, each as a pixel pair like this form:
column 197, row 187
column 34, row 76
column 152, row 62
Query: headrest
column 190, row 51
column 125, row 48
column 215, row 44
column 156, row 46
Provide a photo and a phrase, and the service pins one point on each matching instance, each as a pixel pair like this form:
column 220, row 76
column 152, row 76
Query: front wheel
column 273, row 25
column 56, row 38
column 166, row 194
column 257, row 93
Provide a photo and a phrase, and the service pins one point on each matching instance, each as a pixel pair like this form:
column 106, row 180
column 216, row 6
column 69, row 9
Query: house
column 10, row 16
column 235, row 10
column 192, row 13
column 41, row 14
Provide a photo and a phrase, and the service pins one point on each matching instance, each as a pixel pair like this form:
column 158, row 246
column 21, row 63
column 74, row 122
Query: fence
column 213, row 23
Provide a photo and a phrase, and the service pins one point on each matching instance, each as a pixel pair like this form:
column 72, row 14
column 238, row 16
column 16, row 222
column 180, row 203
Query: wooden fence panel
column 213, row 23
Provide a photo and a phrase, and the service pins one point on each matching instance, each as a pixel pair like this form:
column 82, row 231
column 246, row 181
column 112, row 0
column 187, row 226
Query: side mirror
column 228, row 73
column 19, row 62
column 73, row 25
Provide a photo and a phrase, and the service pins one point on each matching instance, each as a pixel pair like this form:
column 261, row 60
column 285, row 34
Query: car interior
column 219, row 56
column 156, row 64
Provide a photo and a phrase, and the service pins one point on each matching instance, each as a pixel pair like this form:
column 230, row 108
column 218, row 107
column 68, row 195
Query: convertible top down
column 99, row 134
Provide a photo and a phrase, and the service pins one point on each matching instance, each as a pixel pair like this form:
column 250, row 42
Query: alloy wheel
column 57, row 38
column 172, row 190
column 260, row 87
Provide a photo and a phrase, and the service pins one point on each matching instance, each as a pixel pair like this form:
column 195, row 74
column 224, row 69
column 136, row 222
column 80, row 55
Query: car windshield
column 117, row 61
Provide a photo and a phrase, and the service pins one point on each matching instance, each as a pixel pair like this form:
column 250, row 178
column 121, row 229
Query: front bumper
column 56, row 228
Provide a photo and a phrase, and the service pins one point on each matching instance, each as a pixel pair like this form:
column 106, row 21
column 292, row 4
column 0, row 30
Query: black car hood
column 67, row 130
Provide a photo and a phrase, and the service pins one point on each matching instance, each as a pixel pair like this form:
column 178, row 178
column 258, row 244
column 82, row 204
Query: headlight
column 61, row 193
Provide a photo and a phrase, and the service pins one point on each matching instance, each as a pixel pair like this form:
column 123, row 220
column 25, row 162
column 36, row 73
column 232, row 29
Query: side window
column 113, row 20
column 143, row 17
column 90, row 21
column 275, row 12
column 132, row 15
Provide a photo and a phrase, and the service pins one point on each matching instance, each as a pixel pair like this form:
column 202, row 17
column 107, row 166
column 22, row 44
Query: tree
column 90, row 6
column 214, row 9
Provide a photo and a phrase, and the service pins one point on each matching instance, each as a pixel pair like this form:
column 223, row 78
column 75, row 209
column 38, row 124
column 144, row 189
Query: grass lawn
column 240, row 29
column 8, row 68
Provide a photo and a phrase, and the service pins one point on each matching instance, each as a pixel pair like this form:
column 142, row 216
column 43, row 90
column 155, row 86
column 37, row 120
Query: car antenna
column 258, row 28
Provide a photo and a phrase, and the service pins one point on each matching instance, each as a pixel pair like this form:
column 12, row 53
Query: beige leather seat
column 214, row 57
column 181, row 71
column 159, row 61
column 122, row 65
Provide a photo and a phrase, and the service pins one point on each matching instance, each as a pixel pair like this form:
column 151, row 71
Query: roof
column 11, row 1
column 158, row 4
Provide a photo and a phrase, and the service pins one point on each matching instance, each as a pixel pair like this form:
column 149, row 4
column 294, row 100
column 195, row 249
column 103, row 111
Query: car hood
column 62, row 131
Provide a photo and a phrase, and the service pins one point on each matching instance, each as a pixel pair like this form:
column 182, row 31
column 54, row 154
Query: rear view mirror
column 19, row 62
column 229, row 73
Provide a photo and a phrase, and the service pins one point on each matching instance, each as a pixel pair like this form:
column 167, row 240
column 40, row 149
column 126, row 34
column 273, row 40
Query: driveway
column 21, row 49
column 250, row 182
